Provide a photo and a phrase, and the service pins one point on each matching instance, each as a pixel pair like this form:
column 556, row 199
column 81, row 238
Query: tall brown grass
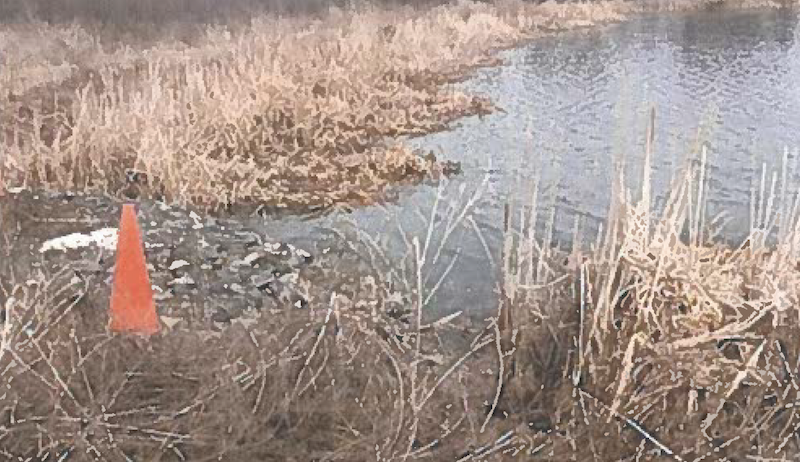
column 342, row 380
column 652, row 346
column 641, row 346
column 275, row 111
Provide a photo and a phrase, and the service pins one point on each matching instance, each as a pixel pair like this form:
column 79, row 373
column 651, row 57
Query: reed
column 655, row 346
column 641, row 345
column 592, row 353
column 280, row 112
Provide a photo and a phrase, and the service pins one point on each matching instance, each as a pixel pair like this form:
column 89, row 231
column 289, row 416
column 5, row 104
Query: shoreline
column 642, row 348
column 240, row 137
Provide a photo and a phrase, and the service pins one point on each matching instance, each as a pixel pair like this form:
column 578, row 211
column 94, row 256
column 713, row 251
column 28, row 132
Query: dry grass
column 276, row 112
column 643, row 347
column 346, row 379
column 654, row 346
column 271, row 114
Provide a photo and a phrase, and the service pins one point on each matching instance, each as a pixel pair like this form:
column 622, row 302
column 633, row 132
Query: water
column 573, row 102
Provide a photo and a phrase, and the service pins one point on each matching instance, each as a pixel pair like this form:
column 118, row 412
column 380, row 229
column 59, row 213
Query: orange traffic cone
column 132, row 306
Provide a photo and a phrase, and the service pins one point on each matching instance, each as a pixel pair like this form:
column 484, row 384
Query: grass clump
column 264, row 114
column 657, row 341
column 291, row 386
column 274, row 111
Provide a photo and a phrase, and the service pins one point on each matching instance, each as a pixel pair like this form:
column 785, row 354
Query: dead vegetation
column 360, row 374
column 646, row 346
column 649, row 344
column 275, row 111
column 656, row 344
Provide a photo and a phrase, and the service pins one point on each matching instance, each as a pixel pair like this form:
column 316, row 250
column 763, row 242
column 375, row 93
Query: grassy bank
column 274, row 111
column 660, row 342
column 647, row 345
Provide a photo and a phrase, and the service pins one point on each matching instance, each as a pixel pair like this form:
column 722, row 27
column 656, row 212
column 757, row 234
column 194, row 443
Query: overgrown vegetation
column 276, row 111
column 657, row 343
column 644, row 346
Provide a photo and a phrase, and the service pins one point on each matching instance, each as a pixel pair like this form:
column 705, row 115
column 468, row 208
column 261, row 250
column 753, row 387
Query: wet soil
column 200, row 268
column 206, row 271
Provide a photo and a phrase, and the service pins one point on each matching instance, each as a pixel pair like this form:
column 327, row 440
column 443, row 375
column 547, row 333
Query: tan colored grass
column 342, row 380
column 654, row 341
column 279, row 113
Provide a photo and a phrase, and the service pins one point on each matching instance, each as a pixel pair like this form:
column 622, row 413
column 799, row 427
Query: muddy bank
column 205, row 271
column 200, row 268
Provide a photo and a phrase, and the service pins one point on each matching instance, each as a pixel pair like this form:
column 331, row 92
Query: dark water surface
column 728, row 79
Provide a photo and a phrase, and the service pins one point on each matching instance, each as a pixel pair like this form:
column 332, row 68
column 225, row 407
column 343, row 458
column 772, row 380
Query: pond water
column 574, row 101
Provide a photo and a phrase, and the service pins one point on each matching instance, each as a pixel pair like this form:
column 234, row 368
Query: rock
column 163, row 296
column 262, row 282
column 288, row 253
column 196, row 224
column 221, row 261
column 170, row 322
column 222, row 316
column 237, row 288
column 249, row 238
column 451, row 168
column 178, row 264
column 184, row 280
column 283, row 290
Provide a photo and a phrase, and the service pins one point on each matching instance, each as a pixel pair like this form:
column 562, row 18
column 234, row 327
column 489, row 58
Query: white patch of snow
column 105, row 238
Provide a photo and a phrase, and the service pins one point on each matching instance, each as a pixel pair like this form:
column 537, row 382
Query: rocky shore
column 207, row 272
column 201, row 268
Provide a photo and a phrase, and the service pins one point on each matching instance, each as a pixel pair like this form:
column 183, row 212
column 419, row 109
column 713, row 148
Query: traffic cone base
column 132, row 307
